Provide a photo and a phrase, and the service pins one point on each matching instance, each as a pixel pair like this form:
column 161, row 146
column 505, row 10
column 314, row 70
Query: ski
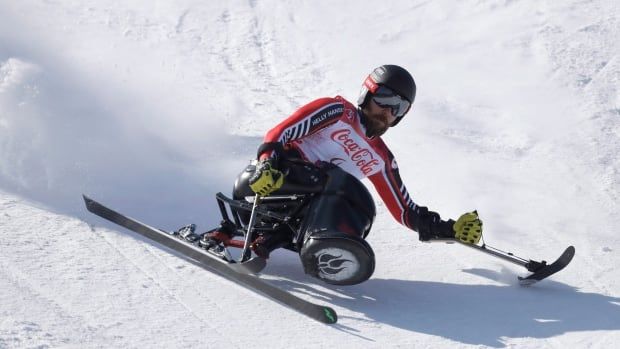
column 545, row 270
column 214, row 264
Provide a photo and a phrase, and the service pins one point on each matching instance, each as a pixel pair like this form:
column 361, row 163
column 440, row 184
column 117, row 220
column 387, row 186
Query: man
column 334, row 130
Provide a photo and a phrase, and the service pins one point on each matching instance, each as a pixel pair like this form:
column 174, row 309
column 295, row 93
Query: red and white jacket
column 332, row 130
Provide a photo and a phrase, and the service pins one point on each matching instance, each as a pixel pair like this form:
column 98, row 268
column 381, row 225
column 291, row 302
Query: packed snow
column 152, row 107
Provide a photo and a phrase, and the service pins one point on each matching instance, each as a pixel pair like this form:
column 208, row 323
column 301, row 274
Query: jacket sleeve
column 303, row 122
column 390, row 187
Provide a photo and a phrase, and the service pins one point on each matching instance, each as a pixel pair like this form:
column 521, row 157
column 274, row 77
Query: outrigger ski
column 236, row 271
column 545, row 271
column 539, row 270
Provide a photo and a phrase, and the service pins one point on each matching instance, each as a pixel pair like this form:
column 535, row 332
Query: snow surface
column 152, row 107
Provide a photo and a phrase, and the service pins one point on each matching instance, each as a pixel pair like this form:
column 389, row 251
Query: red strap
column 371, row 84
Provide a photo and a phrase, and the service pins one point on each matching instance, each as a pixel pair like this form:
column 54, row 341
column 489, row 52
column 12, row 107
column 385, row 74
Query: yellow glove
column 265, row 179
column 468, row 228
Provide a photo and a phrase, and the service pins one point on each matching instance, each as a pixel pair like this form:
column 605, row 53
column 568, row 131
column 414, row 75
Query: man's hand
column 468, row 228
column 265, row 179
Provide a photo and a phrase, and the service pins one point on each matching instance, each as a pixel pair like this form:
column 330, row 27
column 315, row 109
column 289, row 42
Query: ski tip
column 87, row 199
column 330, row 316
column 568, row 254
column 88, row 202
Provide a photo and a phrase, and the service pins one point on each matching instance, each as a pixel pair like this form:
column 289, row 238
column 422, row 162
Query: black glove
column 429, row 225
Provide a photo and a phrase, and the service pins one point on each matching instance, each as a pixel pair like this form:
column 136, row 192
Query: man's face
column 378, row 118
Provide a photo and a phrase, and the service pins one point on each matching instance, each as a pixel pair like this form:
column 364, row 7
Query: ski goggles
column 387, row 98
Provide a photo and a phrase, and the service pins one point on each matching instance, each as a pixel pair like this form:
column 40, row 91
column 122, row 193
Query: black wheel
column 338, row 261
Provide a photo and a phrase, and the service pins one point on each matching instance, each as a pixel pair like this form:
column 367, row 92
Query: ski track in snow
column 516, row 115
column 174, row 292
column 38, row 300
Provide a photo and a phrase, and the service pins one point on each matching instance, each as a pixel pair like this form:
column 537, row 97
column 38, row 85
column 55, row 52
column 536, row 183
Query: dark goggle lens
column 386, row 98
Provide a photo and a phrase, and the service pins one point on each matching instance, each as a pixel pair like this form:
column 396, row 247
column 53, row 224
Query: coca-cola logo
column 363, row 158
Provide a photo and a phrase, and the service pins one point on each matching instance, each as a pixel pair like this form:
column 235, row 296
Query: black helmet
column 393, row 77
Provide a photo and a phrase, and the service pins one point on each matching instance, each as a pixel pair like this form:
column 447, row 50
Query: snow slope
column 152, row 107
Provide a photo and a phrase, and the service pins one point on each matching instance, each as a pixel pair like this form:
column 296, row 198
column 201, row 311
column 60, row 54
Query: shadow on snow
column 471, row 314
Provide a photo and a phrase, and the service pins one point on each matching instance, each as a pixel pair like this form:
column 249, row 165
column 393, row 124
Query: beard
column 375, row 126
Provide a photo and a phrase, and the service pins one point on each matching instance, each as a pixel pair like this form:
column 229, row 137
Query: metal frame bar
column 529, row 264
